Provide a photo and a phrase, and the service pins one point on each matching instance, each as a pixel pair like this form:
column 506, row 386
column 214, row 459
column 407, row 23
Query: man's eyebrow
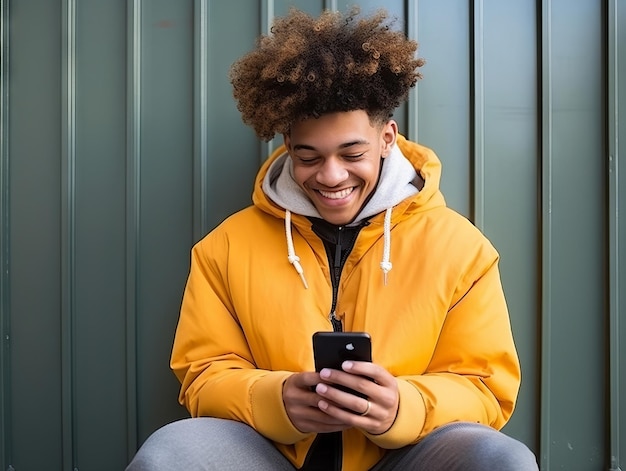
column 341, row 146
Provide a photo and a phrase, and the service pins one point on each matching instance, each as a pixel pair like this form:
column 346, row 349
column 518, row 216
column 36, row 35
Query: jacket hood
column 413, row 177
column 397, row 180
column 409, row 182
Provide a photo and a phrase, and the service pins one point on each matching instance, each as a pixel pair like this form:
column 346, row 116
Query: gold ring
column 367, row 411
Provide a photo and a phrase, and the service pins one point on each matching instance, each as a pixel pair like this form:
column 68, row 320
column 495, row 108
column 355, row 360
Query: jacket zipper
column 336, row 323
column 335, row 277
column 338, row 263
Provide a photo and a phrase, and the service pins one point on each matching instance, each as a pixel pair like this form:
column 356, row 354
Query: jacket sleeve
column 474, row 373
column 211, row 357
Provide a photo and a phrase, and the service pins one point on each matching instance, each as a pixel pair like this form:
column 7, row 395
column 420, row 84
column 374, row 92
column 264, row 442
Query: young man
column 348, row 231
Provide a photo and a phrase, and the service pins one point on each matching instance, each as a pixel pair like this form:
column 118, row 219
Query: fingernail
column 347, row 365
column 321, row 388
column 325, row 373
column 322, row 405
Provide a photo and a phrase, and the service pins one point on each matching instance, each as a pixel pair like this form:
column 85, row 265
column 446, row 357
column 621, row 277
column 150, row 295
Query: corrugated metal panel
column 505, row 192
column 5, row 328
column 574, row 236
column 120, row 146
column 34, row 237
column 616, row 88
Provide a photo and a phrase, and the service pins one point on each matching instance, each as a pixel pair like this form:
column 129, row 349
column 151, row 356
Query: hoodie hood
column 398, row 180
column 424, row 176
column 409, row 180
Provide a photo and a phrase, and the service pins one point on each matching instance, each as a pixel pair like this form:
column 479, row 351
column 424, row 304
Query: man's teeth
column 336, row 195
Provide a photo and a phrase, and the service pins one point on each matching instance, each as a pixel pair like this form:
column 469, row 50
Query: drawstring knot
column 385, row 264
column 291, row 252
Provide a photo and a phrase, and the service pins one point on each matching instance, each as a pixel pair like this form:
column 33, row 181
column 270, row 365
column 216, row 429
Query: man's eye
column 307, row 160
column 354, row 156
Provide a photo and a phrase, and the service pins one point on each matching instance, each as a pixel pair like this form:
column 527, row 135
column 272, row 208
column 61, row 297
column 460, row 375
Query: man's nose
column 332, row 173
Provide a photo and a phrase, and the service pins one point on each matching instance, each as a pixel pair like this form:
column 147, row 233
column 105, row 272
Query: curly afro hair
column 311, row 66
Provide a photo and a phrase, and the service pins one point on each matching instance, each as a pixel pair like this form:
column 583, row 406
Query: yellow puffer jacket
column 440, row 324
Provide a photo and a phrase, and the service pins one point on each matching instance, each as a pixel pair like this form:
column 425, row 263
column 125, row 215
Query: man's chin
column 336, row 219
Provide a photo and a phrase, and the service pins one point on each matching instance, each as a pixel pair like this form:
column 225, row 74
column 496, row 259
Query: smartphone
column 331, row 349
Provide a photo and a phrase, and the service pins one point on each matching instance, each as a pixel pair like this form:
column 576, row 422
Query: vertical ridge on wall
column 412, row 120
column 267, row 15
column 68, row 227
column 330, row 5
column 546, row 231
column 201, row 118
column 268, row 12
column 5, row 328
column 133, row 181
column 613, row 249
column 478, row 102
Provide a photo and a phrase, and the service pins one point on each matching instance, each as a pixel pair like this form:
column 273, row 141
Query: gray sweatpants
column 224, row 445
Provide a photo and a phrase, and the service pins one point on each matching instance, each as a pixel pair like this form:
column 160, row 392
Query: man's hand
column 375, row 414
column 301, row 404
column 314, row 405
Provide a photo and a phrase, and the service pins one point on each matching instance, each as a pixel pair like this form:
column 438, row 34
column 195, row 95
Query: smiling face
column 337, row 159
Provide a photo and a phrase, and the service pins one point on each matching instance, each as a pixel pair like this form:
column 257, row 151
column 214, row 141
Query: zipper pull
column 336, row 323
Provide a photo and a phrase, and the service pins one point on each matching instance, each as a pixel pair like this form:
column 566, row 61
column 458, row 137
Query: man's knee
column 206, row 443
column 483, row 448
column 165, row 446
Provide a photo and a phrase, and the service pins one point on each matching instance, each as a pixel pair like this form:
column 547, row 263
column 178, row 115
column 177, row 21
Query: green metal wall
column 120, row 146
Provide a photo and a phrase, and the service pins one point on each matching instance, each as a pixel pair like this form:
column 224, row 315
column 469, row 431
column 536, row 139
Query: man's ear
column 389, row 134
column 287, row 141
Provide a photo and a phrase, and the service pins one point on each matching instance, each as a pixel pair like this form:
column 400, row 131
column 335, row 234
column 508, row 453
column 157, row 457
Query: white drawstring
column 291, row 253
column 385, row 264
